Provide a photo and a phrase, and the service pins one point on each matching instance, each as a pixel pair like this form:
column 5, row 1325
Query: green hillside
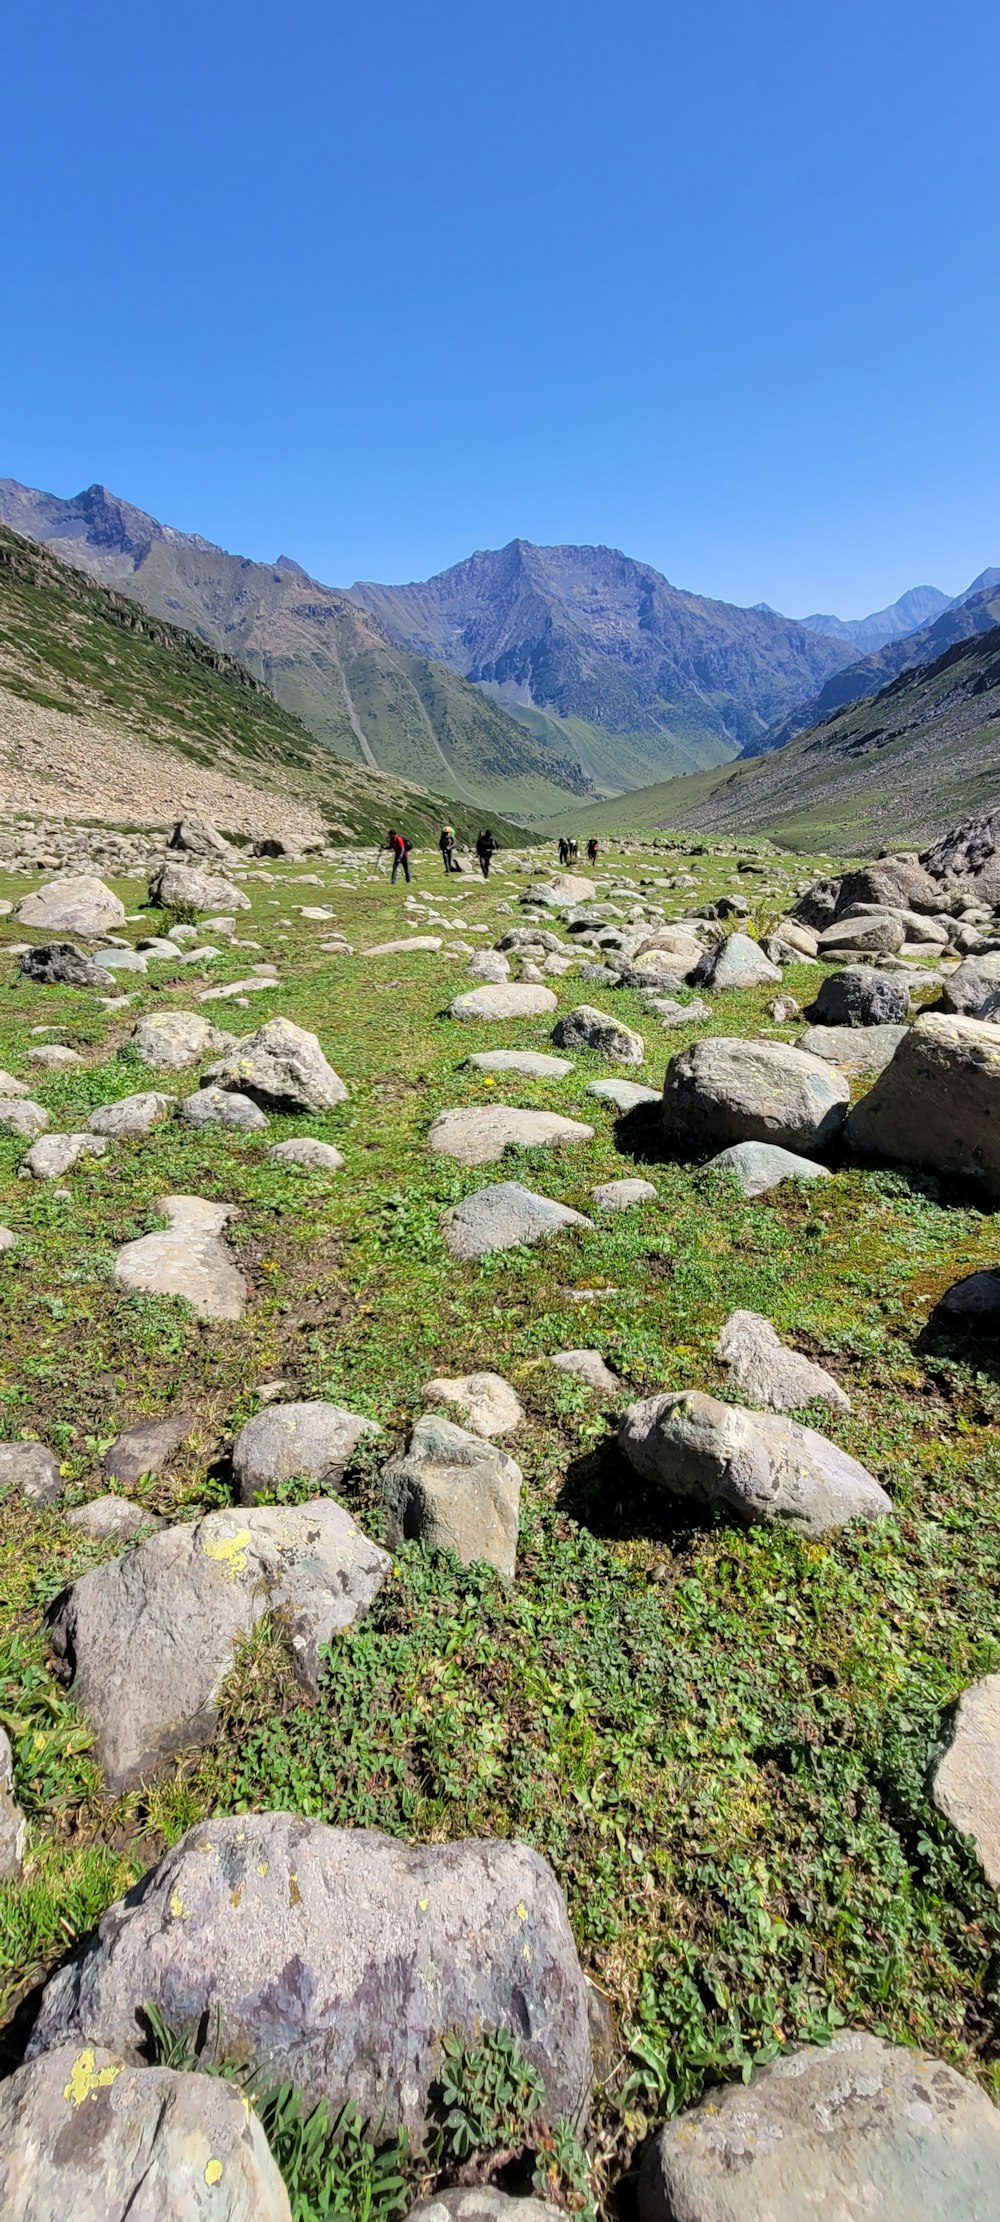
column 80, row 650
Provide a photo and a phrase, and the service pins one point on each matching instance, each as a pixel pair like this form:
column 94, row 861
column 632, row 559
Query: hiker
column 563, row 849
column 447, row 848
column 485, row 848
column 592, row 850
column 572, row 852
column 400, row 848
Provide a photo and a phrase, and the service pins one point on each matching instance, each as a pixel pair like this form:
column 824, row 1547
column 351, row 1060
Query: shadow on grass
column 603, row 1493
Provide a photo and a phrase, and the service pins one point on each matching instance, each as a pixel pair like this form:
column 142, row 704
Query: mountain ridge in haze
column 970, row 613
column 917, row 607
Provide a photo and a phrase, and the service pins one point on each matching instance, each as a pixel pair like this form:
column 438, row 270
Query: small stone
column 455, row 1492
column 146, row 1447
column 8, row 1240
column 219, row 1107
column 130, row 1115
column 783, row 1010
column 53, row 1155
column 502, row 1217
column 966, row 1784
column 13, row 1834
column 671, row 1013
column 11, row 1089
column 190, row 1258
column 589, row 1028
column 530, row 1063
column 975, row 1297
column 123, row 960
column 620, row 1195
column 590, row 1368
column 52, row 1057
column 477, row 1134
column 315, row 1440
column 111, row 1519
column 305, row 1149
column 31, row 1471
column 511, row 999
column 759, row 1166
column 490, row 967
column 766, row 1372
column 26, row 1119
column 488, row 1404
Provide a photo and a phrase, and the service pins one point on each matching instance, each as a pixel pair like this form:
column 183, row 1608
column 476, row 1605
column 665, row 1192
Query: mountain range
column 973, row 612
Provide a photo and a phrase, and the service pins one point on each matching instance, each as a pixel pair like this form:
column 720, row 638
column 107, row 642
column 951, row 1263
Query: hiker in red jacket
column 400, row 849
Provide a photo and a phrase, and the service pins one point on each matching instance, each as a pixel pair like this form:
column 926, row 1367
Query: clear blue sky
column 375, row 286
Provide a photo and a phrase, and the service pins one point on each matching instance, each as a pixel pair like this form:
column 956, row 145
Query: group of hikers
column 400, row 850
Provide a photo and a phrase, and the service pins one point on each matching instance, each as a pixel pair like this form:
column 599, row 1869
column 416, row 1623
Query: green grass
column 719, row 1738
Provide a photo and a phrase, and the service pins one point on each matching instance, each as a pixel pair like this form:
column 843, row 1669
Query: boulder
column 531, row 1064
column 530, row 937
column 11, row 1090
column 59, row 964
column 880, row 935
column 590, row 1368
column 281, row 1067
column 75, row 904
column 857, row 2129
column 503, row 1217
column 966, row 1781
column 784, row 1010
column 317, row 1440
column 937, row 1105
column 169, row 1040
column 31, row 1471
column 798, row 939
column 147, row 1640
column 589, row 1028
column 726, row 1090
column 426, row 942
column 53, row 1155
column 487, row 1403
column 86, row 2138
column 123, row 960
column 26, row 1119
column 199, row 837
column 764, row 1370
column 816, row 906
column 755, row 1464
column 626, row 1095
column 337, row 1959
column 111, row 1519
column 222, row 1107
column 759, row 1166
column 972, row 987
column 853, row 1049
column 680, row 944
column 489, row 966
column 306, row 1149
column 563, row 888
column 146, row 1447
column 512, row 999
column 130, row 1115
column 454, row 1492
column 479, row 1133
column 8, row 1240
column 967, row 859
column 481, row 2203
column 893, row 883
column 861, row 996
column 51, row 1057
column 736, row 962
column 175, row 886
column 190, row 1258
column 13, row 1834
column 621, row 1195
column 975, row 1297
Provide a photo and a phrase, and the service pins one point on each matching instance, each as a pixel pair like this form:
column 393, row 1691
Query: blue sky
column 375, row 287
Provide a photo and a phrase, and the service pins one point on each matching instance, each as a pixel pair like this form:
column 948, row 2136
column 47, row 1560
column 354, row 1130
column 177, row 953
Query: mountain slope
column 108, row 712
column 595, row 647
column 973, row 612
column 920, row 606
column 325, row 659
column 900, row 766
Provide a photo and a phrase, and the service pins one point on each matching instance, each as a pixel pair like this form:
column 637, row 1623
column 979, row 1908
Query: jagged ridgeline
column 112, row 686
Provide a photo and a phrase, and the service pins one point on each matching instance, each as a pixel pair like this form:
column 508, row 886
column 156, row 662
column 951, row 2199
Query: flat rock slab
column 75, row 904
column 55, row 1154
column 590, row 1368
column 455, row 1492
column 224, row 1107
column 190, row 1258
column 759, row 1166
column 87, row 2138
column 169, row 1040
column 764, row 1370
column 531, row 1064
column 146, row 1447
column 966, row 1784
column 147, row 1640
column 511, row 999
column 31, row 1471
column 621, row 1195
column 853, row 1049
column 281, row 1067
column 503, row 1217
column 305, row 1149
column 857, row 2129
column 316, row 1440
column 756, row 1464
column 626, row 1095
column 487, row 1403
column 589, row 1028
column 937, row 1105
column 727, row 1090
column 430, row 942
column 479, row 1133
column 131, row 1115
column 337, row 1959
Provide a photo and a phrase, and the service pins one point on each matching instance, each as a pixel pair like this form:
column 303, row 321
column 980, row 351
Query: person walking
column 447, row 847
column 485, row 850
column 593, row 848
column 563, row 849
column 399, row 849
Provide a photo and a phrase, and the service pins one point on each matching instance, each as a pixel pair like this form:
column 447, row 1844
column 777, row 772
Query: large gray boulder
column 968, row 858
column 502, row 1217
column 455, row 1492
column 727, row 1090
column 337, row 1959
column 77, row 903
column 736, row 962
column 861, row 996
column 212, row 1106
column 53, row 1155
column 882, row 935
column 84, row 2137
column 562, row 889
column 199, row 837
column 175, row 886
column 853, row 1049
column 13, row 1826
column 317, row 1440
column 966, row 1783
column 130, row 1115
column 894, row 882
column 973, row 986
column 937, row 1105
column 147, row 1640
column 756, row 1464
column 511, row 999
column 854, row 2131
column 189, row 1258
column 589, row 1028
column 170, row 1040
column 479, row 1133
column 59, row 964
column 281, row 1067
column 767, row 1372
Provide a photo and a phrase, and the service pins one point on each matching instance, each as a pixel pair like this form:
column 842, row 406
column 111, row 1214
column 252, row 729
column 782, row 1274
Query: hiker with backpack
column 399, row 848
column 592, row 850
column 563, row 849
column 485, row 850
column 446, row 845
